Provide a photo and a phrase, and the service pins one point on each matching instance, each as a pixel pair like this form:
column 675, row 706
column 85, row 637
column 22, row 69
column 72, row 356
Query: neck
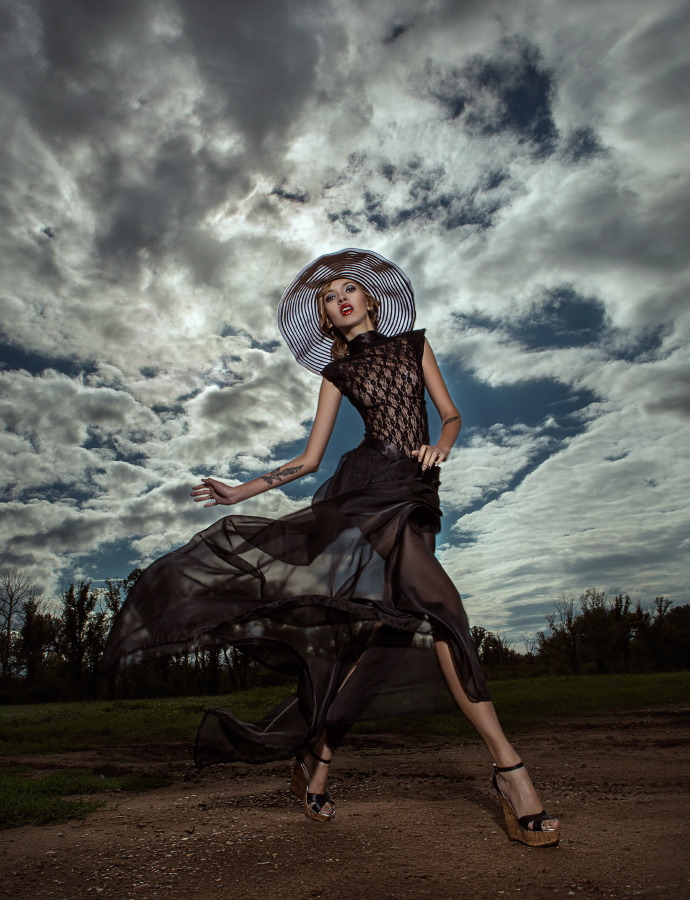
column 359, row 328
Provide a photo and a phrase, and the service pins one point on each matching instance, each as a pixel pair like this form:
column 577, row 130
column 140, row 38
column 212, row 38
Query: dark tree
column 596, row 630
column 240, row 667
column 561, row 646
column 663, row 635
column 497, row 651
column 16, row 587
column 37, row 635
column 76, row 631
column 610, row 635
column 116, row 590
column 477, row 634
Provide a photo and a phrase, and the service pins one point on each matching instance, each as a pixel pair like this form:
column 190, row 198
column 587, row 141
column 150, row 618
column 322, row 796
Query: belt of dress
column 389, row 450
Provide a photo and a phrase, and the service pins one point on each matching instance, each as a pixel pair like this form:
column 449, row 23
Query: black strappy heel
column 313, row 803
column 519, row 829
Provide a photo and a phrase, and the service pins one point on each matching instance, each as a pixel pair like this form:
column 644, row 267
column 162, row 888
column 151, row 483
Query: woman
column 347, row 594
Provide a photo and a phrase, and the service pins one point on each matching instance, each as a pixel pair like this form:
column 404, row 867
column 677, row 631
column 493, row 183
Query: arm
column 432, row 455
column 215, row 492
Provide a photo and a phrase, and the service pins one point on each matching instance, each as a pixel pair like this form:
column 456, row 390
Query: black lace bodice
column 383, row 379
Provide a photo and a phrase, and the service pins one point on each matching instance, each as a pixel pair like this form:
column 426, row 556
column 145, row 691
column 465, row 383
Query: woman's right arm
column 212, row 492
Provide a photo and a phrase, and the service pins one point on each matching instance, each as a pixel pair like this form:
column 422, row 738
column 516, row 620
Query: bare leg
column 318, row 771
column 516, row 785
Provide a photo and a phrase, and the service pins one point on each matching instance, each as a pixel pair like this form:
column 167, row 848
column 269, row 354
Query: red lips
column 345, row 309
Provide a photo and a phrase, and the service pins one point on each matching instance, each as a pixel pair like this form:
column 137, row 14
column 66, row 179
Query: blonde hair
column 339, row 348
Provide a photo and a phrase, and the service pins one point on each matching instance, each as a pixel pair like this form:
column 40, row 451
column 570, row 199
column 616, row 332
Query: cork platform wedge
column 519, row 829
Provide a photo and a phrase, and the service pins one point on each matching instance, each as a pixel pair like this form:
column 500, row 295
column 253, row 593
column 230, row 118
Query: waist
column 389, row 450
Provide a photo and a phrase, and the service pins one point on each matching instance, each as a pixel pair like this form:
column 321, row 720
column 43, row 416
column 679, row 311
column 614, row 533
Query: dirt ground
column 415, row 818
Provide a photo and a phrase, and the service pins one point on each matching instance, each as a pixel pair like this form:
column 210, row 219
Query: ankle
column 506, row 759
column 319, row 757
column 506, row 769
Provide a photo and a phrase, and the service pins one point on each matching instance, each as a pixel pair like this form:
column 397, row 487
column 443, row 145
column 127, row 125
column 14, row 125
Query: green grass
column 57, row 727
column 38, row 801
column 525, row 703
column 521, row 703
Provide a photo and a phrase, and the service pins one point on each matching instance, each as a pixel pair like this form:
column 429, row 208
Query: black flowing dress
column 345, row 595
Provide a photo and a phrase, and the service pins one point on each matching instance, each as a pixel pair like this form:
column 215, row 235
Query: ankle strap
column 326, row 762
column 519, row 765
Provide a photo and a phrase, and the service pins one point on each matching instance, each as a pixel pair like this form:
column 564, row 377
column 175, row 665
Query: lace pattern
column 384, row 381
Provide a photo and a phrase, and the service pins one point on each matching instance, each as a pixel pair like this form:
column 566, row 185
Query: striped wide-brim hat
column 298, row 314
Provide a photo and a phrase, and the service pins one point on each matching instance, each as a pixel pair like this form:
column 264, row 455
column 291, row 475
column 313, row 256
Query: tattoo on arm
column 278, row 474
column 452, row 419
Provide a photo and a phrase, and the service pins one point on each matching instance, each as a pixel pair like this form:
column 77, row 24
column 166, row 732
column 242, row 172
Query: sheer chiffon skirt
column 345, row 587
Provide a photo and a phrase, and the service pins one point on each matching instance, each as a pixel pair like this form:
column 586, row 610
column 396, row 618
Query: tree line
column 595, row 634
column 49, row 655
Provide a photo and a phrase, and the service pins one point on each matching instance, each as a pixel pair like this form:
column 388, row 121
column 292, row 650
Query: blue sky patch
column 528, row 403
column 14, row 357
column 563, row 319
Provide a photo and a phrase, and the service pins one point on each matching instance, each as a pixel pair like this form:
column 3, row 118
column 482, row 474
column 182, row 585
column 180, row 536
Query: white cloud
column 609, row 510
column 167, row 173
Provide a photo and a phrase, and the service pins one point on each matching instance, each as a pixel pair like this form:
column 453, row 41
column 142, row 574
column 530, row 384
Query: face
column 346, row 306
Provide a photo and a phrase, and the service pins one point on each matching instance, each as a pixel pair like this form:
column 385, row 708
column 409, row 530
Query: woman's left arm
column 433, row 454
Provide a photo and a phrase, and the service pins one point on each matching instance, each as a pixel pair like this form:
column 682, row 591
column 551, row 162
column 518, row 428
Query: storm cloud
column 168, row 166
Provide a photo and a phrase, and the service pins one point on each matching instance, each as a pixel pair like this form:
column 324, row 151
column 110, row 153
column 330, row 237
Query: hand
column 214, row 493
column 430, row 455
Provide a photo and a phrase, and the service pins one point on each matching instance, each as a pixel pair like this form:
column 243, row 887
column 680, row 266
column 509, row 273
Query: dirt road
column 415, row 818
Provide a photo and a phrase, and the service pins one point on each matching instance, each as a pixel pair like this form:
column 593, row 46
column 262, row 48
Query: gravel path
column 415, row 818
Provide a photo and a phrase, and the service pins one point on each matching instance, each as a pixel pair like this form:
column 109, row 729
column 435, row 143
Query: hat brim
column 298, row 314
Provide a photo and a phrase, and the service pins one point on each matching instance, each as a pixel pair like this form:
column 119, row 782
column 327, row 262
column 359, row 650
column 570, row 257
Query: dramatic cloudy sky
column 168, row 166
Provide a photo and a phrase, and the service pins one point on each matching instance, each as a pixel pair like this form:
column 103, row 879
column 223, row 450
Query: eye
column 328, row 297
column 350, row 287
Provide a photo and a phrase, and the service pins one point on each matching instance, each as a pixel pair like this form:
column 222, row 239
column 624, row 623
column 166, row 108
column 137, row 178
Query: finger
column 440, row 455
column 420, row 454
column 432, row 457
